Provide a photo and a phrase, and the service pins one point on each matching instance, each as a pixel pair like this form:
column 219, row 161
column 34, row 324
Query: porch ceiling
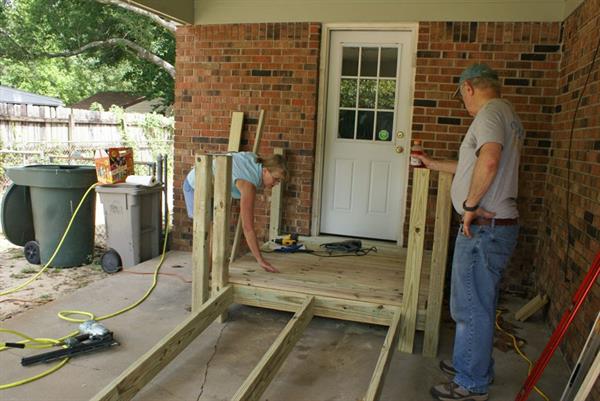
column 181, row 11
column 252, row 11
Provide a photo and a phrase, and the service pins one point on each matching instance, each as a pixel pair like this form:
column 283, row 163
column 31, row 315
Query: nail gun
column 92, row 336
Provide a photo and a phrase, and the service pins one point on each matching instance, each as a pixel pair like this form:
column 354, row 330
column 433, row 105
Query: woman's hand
column 267, row 266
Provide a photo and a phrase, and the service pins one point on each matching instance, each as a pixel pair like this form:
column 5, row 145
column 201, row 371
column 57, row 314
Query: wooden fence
column 27, row 127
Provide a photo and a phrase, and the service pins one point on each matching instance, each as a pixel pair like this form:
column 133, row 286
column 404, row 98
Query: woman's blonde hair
column 274, row 163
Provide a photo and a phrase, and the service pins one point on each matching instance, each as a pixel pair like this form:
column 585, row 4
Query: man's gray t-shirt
column 495, row 122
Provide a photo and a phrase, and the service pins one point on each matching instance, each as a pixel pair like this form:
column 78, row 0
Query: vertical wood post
column 221, row 211
column 276, row 197
column 414, row 259
column 439, row 257
column 202, row 216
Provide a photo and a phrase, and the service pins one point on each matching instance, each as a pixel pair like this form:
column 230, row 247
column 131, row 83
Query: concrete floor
column 333, row 361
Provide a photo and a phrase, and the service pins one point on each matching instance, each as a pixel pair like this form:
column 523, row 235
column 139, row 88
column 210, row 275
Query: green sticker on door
column 383, row 135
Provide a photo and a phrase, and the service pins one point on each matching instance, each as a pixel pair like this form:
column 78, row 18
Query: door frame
column 326, row 31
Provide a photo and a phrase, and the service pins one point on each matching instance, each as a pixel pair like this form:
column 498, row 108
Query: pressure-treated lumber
column 330, row 307
column 202, row 217
column 270, row 363
column 134, row 378
column 238, row 228
column 439, row 258
column 276, row 197
column 221, row 211
column 235, row 131
column 531, row 307
column 385, row 357
column 414, row 259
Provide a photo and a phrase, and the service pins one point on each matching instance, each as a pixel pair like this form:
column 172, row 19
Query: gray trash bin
column 132, row 214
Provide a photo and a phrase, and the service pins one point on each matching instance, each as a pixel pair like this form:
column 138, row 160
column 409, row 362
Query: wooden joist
column 136, row 376
column 330, row 307
column 414, row 259
column 202, row 218
column 383, row 362
column 439, row 258
column 263, row 373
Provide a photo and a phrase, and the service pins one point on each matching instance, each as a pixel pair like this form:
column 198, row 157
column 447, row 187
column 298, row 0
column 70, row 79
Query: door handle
column 399, row 149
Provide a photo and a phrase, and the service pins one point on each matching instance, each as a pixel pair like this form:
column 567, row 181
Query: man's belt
column 481, row 221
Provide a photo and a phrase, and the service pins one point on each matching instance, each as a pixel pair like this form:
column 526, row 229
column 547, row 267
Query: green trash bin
column 54, row 193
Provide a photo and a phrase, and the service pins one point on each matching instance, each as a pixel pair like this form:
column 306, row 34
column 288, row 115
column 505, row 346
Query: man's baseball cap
column 475, row 71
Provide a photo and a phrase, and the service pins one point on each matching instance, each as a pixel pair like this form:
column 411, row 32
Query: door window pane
column 366, row 96
column 389, row 61
column 368, row 61
column 387, row 94
column 348, row 92
column 346, row 124
column 385, row 125
column 364, row 130
column 350, row 61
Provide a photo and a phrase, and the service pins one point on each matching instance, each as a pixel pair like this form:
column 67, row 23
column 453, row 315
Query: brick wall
column 560, row 274
column 248, row 67
column 527, row 57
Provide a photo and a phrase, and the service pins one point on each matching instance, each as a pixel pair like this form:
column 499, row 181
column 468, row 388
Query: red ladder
column 559, row 333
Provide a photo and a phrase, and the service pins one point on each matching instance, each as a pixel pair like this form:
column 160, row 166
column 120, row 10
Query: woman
column 248, row 172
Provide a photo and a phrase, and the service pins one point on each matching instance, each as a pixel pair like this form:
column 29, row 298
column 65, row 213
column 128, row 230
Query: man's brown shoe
column 452, row 391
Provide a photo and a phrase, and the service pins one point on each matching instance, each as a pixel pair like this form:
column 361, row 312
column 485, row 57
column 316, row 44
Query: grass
column 29, row 270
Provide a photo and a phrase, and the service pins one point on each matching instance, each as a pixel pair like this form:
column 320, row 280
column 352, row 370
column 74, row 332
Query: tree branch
column 168, row 25
column 135, row 48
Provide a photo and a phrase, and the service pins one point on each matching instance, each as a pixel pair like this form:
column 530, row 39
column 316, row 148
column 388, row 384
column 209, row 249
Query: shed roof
column 17, row 96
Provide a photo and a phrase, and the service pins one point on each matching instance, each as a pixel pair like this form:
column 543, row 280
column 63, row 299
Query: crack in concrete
column 209, row 361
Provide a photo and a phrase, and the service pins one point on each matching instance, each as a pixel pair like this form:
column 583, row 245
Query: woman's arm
column 248, row 192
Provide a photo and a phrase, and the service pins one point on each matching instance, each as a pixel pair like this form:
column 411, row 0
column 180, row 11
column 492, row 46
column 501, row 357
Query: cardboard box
column 113, row 165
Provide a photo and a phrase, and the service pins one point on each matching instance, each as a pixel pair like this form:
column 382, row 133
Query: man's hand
column 267, row 266
column 424, row 158
column 468, row 218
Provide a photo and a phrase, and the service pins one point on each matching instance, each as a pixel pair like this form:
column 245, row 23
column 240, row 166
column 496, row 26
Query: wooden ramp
column 398, row 288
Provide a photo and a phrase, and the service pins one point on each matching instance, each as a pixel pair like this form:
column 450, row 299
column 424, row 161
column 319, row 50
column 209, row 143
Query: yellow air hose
column 30, row 342
column 62, row 239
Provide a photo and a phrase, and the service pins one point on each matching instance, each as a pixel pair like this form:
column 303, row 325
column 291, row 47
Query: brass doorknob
column 400, row 134
column 399, row 149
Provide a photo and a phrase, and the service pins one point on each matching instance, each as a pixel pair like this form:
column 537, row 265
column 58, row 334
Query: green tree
column 73, row 48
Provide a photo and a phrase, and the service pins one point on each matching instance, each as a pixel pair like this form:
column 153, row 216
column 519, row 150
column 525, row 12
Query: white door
column 366, row 137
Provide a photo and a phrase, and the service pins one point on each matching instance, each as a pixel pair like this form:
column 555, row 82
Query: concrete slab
column 333, row 361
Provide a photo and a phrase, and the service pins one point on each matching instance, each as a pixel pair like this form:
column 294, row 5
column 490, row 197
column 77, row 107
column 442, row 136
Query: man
column 484, row 192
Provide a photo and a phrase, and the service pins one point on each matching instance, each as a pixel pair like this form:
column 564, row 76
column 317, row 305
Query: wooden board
column 265, row 370
column 335, row 308
column 276, row 197
column 439, row 259
column 531, row 307
column 202, row 218
column 235, row 131
column 385, row 356
column 136, row 376
column 414, row 259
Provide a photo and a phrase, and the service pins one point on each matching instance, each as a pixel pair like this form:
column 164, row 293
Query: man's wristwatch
column 469, row 208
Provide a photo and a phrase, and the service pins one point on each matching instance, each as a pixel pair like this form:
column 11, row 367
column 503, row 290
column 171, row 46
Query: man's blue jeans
column 476, row 271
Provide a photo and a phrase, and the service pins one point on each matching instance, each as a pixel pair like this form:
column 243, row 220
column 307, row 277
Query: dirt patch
column 15, row 270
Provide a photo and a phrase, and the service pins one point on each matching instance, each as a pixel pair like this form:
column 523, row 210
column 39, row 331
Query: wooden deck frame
column 401, row 320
